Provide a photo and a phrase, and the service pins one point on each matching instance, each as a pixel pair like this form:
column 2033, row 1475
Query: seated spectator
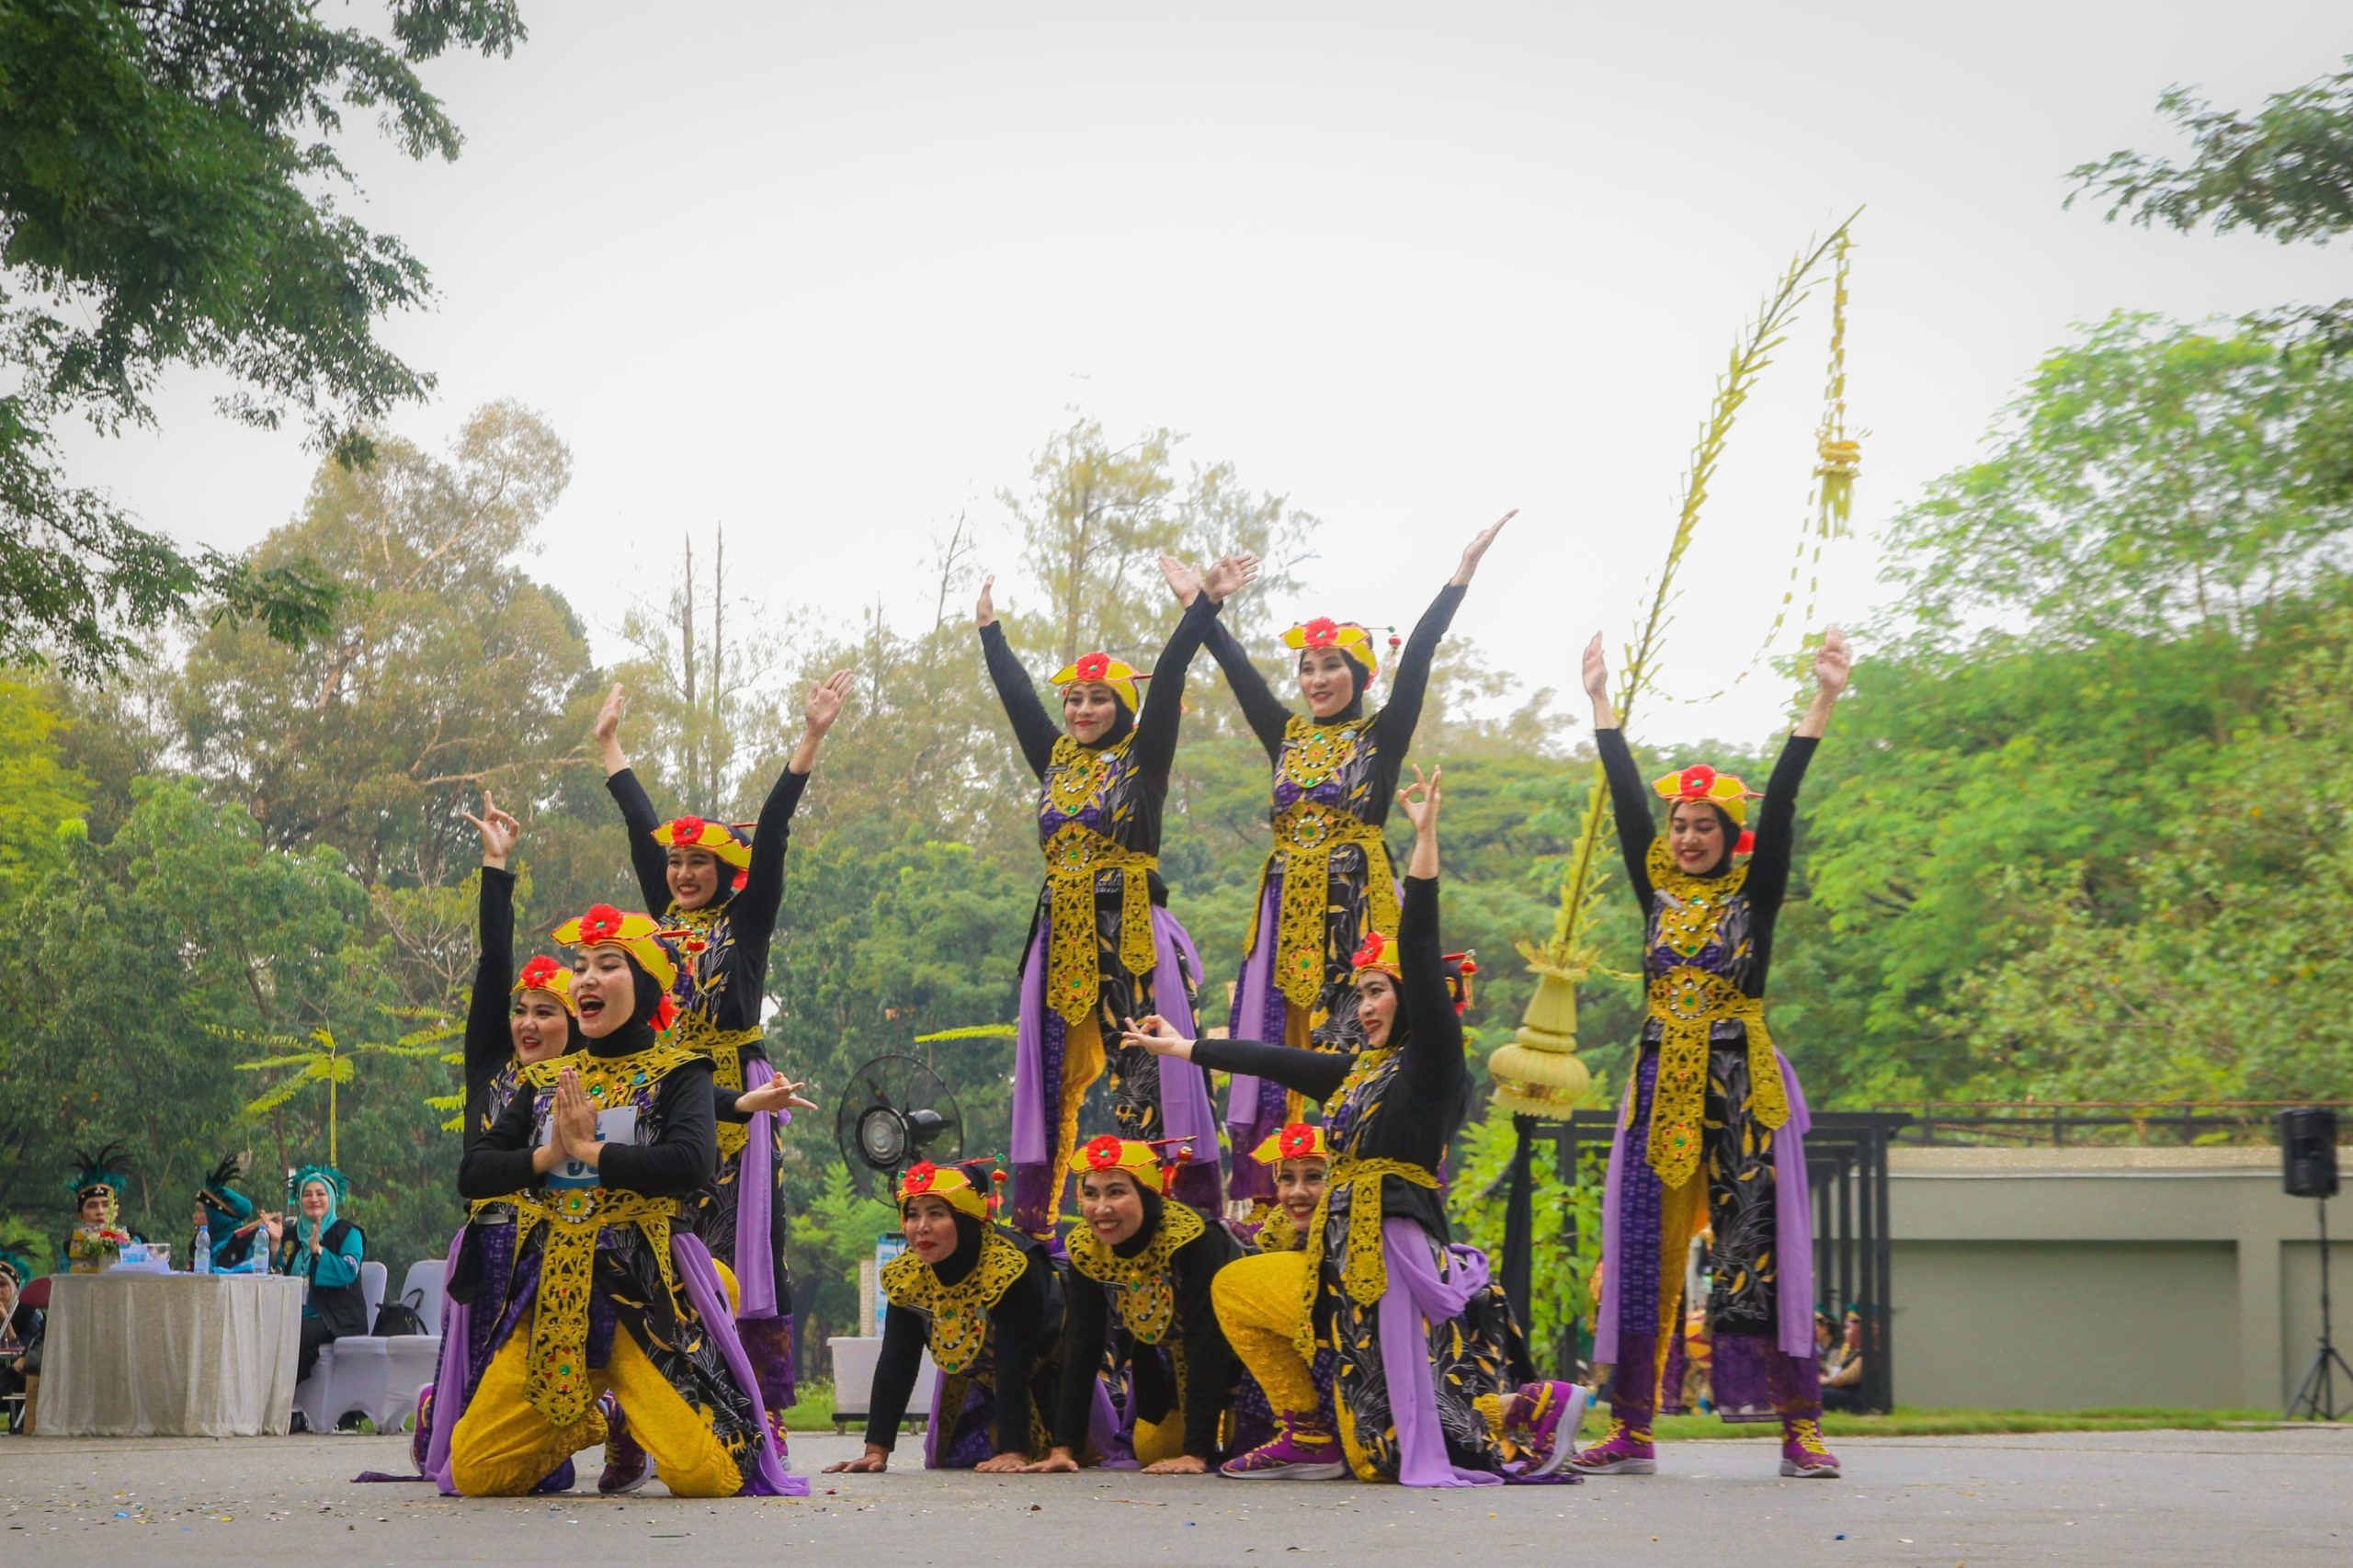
column 1842, row 1368
column 20, row 1333
column 326, row 1250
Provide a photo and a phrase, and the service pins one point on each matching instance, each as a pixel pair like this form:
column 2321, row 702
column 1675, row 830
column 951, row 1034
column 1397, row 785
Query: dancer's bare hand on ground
column 1157, row 1035
column 1062, row 1461
column 873, row 1461
column 1003, row 1464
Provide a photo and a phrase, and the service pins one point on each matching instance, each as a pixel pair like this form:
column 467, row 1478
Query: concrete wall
column 2059, row 1279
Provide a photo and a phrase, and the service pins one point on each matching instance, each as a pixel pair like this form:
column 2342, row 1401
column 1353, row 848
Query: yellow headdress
column 1121, row 679
column 954, row 1185
column 693, row 833
column 1704, row 785
column 1346, row 635
column 1379, row 954
column 1297, row 1140
column 641, row 936
column 544, row 973
column 1138, row 1158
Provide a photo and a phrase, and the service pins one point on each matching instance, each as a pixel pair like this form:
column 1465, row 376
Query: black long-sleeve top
column 1391, row 730
column 1026, row 1323
column 1768, row 882
column 682, row 1157
column 1409, row 1107
column 489, row 1045
column 1209, row 1360
column 751, row 912
column 1154, row 749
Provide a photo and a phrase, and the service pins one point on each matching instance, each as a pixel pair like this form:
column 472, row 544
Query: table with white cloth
column 136, row 1354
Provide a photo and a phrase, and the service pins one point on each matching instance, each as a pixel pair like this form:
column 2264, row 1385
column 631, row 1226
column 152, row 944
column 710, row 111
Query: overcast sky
column 831, row 274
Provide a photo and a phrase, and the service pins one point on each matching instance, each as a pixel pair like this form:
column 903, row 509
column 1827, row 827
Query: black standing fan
column 895, row 1113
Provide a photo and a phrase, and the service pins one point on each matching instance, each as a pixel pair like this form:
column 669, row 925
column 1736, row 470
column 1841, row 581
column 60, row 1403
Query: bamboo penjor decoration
column 1537, row 1073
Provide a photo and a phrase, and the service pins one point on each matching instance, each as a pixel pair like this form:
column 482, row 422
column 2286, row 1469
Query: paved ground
column 2274, row 1497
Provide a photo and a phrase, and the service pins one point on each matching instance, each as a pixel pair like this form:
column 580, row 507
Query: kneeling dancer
column 987, row 1303
column 1142, row 1265
column 1714, row 1123
column 604, row 1294
column 1421, row 1395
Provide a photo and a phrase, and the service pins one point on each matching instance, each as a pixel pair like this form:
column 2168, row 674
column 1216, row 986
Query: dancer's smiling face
column 1111, row 1204
column 694, row 877
column 1695, row 837
column 1327, row 680
column 538, row 1026
column 1298, row 1185
column 1089, row 709
column 1376, row 1008
column 604, row 990
column 929, row 1225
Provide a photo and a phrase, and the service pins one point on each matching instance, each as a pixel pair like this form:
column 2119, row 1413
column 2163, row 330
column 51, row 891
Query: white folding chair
column 423, row 1278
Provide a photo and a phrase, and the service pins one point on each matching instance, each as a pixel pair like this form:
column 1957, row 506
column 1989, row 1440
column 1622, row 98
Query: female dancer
column 1140, row 1266
column 726, row 892
column 604, row 1295
column 507, row 1028
column 1421, row 1395
column 987, row 1303
column 1102, row 944
column 99, row 1235
column 326, row 1250
column 1328, row 879
column 1714, row 1118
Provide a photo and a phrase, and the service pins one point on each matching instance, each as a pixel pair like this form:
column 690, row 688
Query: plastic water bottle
column 202, row 1263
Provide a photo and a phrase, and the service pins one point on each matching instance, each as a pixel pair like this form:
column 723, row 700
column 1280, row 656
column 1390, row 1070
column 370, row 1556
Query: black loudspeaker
column 2308, row 1152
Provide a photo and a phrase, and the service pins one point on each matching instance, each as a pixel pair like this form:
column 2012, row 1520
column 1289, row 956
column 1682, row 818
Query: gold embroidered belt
column 556, row 1379
column 1365, row 1275
column 1076, row 856
column 1686, row 1001
column 696, row 1032
column 1306, row 833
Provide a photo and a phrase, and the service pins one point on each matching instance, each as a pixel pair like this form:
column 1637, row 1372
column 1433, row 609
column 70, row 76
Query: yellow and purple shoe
column 1626, row 1452
column 1301, row 1451
column 1802, row 1454
column 1542, row 1420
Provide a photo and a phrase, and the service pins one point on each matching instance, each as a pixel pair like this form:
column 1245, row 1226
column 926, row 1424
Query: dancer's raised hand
column 500, row 832
column 608, row 731
column 984, row 613
column 1157, row 1035
column 1420, row 799
column 1597, row 684
column 1183, row 581
column 1477, row 547
column 1229, row 576
column 1834, row 666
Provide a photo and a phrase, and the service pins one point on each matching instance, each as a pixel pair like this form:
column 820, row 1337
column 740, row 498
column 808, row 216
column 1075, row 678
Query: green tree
column 2285, row 171
column 447, row 670
column 168, row 181
column 39, row 790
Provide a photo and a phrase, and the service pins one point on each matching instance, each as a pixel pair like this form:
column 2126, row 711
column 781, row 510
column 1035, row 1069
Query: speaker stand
column 2316, row 1394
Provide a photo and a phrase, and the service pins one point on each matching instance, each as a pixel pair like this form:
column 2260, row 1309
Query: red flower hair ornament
column 1093, row 666
column 919, row 1177
column 1298, row 1141
column 601, row 922
column 1103, row 1153
column 687, row 830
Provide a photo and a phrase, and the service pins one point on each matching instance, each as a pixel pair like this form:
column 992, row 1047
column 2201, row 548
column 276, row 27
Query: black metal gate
column 1845, row 1157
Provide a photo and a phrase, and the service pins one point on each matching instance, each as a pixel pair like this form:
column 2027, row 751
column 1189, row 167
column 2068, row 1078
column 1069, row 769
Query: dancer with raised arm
column 1423, row 1394
column 1328, row 879
column 725, row 892
column 1713, row 1130
column 1102, row 944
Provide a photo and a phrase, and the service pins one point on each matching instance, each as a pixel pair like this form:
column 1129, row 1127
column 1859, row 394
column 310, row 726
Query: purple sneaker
column 627, row 1464
column 1301, row 1451
column 559, row 1479
column 1626, row 1452
column 1802, row 1454
column 1542, row 1420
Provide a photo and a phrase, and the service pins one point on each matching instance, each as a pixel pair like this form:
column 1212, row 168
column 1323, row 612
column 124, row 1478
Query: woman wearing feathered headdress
column 725, row 892
column 1328, row 879
column 1102, row 945
column 1428, row 1390
column 227, row 1217
column 99, row 1235
column 1714, row 1125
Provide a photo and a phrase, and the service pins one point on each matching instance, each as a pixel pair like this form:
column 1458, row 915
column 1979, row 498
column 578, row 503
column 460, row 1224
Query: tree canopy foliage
column 169, row 186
